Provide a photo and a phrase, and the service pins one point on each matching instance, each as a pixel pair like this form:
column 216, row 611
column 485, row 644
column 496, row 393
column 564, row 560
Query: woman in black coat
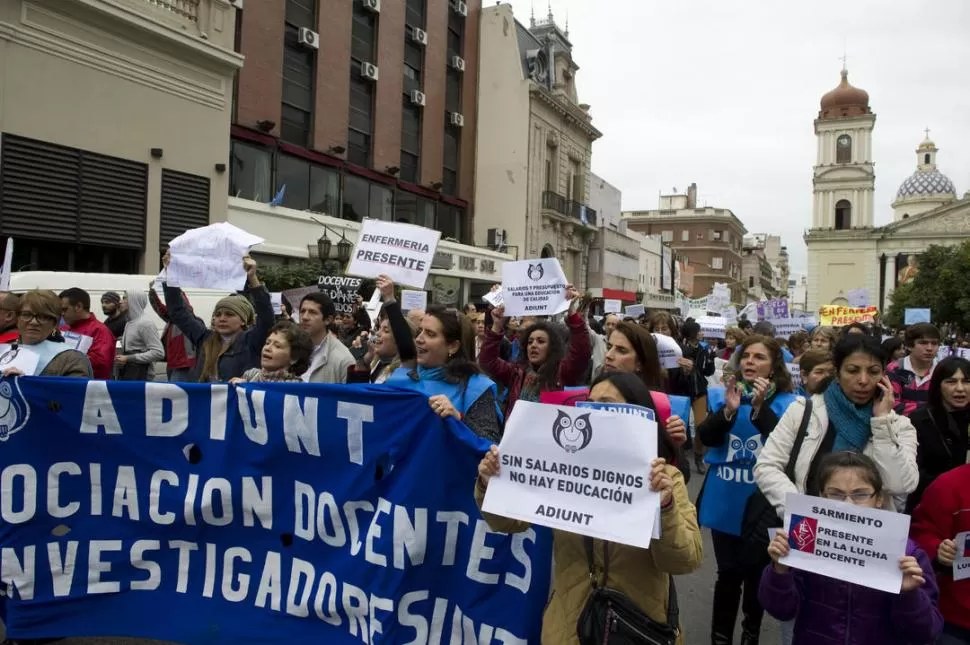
column 942, row 424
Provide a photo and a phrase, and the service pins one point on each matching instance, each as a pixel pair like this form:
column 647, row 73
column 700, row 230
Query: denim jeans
column 787, row 632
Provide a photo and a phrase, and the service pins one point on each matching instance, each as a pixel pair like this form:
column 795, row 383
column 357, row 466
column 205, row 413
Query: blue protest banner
column 263, row 513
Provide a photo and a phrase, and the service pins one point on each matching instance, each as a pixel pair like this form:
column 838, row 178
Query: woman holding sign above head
column 447, row 374
column 546, row 362
column 40, row 350
column 828, row 611
column 742, row 415
column 642, row 576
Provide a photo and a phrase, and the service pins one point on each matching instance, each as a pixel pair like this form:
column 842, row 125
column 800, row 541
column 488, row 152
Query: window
column 453, row 91
column 751, row 282
column 843, row 149
column 926, row 158
column 409, row 167
column 450, row 160
column 667, row 236
column 299, row 65
column 358, row 148
column 361, row 117
column 294, row 173
column 717, row 263
column 365, row 199
column 412, row 209
column 700, row 235
column 414, row 13
column 362, row 35
column 716, row 235
column 448, row 220
column 324, row 190
column 685, row 236
column 250, row 172
column 410, row 141
column 843, row 215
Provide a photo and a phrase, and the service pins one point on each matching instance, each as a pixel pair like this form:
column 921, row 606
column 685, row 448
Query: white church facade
column 846, row 250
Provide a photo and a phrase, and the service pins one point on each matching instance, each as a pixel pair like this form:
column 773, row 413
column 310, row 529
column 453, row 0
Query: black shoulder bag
column 759, row 514
column 610, row 617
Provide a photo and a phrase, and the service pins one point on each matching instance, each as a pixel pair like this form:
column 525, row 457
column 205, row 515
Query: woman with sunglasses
column 37, row 321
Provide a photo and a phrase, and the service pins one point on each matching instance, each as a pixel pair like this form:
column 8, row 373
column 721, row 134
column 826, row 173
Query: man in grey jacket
column 331, row 359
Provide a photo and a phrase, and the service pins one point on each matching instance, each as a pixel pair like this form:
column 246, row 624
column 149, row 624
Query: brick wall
column 260, row 79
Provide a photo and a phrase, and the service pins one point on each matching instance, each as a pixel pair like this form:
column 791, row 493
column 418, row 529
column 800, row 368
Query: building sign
column 487, row 266
column 443, row 260
column 466, row 263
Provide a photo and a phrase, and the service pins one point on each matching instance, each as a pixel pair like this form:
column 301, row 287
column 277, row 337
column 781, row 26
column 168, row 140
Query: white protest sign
column 494, row 297
column 961, row 565
column 718, row 376
column 712, row 326
column 413, row 300
column 210, row 257
column 582, row 471
column 612, row 306
column 635, row 311
column 785, row 327
column 403, row 252
column 20, row 357
column 276, row 298
column 796, row 374
column 534, row 288
column 80, row 342
column 730, row 315
column 373, row 306
column 669, row 351
column 847, row 542
column 719, row 298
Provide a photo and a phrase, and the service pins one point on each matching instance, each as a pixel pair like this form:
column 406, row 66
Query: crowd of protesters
column 871, row 420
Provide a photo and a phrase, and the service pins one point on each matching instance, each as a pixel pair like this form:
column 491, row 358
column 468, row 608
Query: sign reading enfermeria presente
column 402, row 251
column 845, row 541
column 276, row 512
column 580, row 470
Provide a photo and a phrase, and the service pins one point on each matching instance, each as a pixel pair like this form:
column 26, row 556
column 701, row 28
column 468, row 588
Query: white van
column 203, row 301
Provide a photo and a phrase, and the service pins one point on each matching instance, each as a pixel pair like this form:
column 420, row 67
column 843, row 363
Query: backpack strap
column 588, row 543
column 661, row 404
column 673, row 610
column 799, row 440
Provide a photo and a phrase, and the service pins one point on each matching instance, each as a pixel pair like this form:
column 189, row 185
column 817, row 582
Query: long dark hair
column 645, row 347
column 944, row 370
column 636, row 393
column 548, row 373
column 457, row 327
column 779, row 372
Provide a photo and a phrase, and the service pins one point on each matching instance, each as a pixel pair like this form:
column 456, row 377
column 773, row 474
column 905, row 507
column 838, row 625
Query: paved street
column 695, row 593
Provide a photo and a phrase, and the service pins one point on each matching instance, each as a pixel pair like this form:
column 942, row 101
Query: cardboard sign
column 845, row 541
column 534, row 288
column 20, row 357
column 795, row 370
column 835, row 316
column 582, row 471
column 342, row 289
column 494, row 297
column 916, row 316
column 413, row 300
column 403, row 252
column 612, row 306
column 635, row 311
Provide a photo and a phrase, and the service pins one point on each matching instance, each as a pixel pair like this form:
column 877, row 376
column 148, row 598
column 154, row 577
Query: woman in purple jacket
column 828, row 611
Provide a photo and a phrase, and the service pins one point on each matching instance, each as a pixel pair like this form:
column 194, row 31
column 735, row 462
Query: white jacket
column 892, row 447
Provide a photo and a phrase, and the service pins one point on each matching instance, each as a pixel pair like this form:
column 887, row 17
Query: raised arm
column 572, row 371
column 489, row 358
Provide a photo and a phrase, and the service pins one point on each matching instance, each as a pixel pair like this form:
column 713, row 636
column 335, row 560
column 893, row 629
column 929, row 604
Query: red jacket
column 102, row 352
column 9, row 336
column 179, row 352
column 943, row 512
column 572, row 369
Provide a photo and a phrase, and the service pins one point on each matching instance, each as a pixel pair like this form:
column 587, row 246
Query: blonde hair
column 736, row 333
column 42, row 301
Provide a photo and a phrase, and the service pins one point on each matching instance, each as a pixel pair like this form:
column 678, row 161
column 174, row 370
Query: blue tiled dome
column 928, row 182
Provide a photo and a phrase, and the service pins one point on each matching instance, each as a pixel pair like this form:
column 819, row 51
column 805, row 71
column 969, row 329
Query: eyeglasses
column 857, row 498
column 29, row 316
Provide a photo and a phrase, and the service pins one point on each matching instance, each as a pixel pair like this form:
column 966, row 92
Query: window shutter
column 185, row 204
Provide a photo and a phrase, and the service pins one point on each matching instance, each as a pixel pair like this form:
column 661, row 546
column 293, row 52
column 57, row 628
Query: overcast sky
column 724, row 93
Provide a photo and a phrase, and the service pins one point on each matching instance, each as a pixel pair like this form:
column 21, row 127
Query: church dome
column 924, row 183
column 844, row 101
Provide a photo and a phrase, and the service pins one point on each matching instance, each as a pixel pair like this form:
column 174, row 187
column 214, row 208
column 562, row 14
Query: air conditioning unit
column 420, row 36
column 372, row 5
column 238, row 4
column 309, row 38
column 369, row 71
column 458, row 63
column 496, row 238
column 456, row 119
column 461, row 9
column 418, row 98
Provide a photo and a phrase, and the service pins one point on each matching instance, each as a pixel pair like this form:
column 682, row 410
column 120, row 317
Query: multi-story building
column 710, row 238
column 613, row 256
column 657, row 280
column 534, row 144
column 354, row 109
column 798, row 292
column 764, row 269
column 114, row 117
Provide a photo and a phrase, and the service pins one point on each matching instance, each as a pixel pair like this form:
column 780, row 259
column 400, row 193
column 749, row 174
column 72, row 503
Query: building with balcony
column 614, row 257
column 764, row 270
column 114, row 128
column 709, row 239
column 534, row 144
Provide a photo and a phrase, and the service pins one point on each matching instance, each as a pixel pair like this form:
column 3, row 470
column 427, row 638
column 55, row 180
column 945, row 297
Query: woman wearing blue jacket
column 742, row 414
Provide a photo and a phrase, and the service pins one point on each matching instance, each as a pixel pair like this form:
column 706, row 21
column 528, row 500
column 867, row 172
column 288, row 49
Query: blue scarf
column 851, row 421
column 431, row 373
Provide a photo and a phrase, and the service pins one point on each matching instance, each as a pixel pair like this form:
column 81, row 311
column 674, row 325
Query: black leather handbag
column 610, row 617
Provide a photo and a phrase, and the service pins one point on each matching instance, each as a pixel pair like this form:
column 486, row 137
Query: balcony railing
column 184, row 8
column 558, row 203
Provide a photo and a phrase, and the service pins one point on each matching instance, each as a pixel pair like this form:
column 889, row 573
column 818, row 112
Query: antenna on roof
column 532, row 19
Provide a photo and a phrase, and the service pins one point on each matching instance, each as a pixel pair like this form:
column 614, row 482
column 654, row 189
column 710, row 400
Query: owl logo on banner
column 572, row 435
column 535, row 272
column 802, row 534
column 14, row 411
column 744, row 449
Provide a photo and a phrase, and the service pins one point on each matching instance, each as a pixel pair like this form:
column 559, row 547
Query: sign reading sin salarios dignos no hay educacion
column 834, row 316
column 846, row 542
column 534, row 288
column 580, row 470
column 401, row 251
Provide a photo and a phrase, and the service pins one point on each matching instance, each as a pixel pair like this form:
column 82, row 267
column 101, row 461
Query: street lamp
column 322, row 250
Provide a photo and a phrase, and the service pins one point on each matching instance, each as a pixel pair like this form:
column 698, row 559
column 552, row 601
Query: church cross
column 927, row 131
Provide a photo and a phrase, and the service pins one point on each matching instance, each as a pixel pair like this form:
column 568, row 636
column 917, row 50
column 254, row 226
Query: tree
column 280, row 277
column 942, row 286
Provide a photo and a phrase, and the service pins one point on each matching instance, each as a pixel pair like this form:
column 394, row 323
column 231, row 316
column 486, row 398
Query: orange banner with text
column 833, row 316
